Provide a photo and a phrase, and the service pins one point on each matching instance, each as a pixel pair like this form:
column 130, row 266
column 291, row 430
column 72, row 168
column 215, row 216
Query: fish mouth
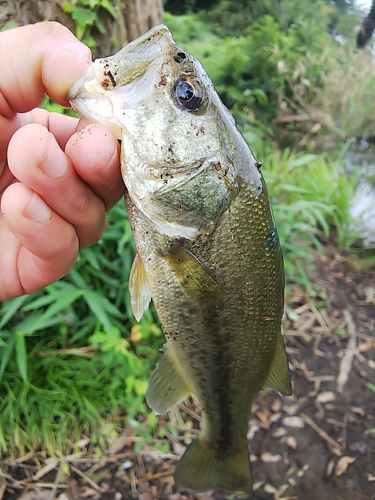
column 149, row 45
column 87, row 84
column 126, row 66
column 90, row 101
column 112, row 84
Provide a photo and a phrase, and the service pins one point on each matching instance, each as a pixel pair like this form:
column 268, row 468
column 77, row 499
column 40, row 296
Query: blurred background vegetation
column 72, row 358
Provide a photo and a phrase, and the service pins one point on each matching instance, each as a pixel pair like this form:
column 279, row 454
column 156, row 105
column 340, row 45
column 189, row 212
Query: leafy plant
column 310, row 194
column 280, row 71
column 86, row 14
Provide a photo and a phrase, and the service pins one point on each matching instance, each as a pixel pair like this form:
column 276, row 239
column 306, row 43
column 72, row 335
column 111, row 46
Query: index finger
column 37, row 59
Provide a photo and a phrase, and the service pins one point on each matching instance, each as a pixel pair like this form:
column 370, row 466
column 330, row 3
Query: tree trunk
column 131, row 21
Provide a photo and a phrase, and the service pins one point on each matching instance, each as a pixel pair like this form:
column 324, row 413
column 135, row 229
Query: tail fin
column 200, row 470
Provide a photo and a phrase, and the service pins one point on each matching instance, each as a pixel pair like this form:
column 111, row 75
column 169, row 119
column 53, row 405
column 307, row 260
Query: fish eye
column 189, row 93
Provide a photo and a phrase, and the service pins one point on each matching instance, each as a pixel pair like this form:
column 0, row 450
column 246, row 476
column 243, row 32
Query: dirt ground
column 317, row 445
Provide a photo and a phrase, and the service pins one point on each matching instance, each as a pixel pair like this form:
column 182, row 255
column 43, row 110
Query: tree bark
column 135, row 18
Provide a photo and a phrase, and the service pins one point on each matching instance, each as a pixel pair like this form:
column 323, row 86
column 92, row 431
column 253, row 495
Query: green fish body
column 208, row 253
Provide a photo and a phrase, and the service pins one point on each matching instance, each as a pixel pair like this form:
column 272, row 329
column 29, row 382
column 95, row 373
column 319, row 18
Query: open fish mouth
column 91, row 102
column 122, row 81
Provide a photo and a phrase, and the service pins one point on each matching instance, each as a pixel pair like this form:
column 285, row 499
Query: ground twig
column 347, row 360
column 322, row 434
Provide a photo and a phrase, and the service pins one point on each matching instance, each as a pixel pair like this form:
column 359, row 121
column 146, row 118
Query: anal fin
column 167, row 387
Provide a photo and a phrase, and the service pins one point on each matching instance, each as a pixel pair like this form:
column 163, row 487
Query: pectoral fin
column 166, row 387
column 140, row 294
column 192, row 275
column 279, row 375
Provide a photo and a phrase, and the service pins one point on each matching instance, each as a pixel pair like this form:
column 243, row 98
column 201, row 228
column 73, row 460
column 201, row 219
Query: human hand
column 55, row 183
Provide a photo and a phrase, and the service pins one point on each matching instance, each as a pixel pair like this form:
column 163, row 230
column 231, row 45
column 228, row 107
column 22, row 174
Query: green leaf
column 301, row 161
column 260, row 96
column 84, row 17
column 67, row 7
column 9, row 26
column 6, row 353
column 38, row 303
column 80, row 31
column 61, row 301
column 91, row 256
column 106, row 4
column 90, row 41
column 99, row 306
column 92, row 4
column 77, row 278
column 21, row 356
column 10, row 308
column 35, row 322
column 140, row 386
column 99, row 25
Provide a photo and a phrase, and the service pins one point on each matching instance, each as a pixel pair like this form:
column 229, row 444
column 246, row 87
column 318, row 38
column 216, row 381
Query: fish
column 208, row 252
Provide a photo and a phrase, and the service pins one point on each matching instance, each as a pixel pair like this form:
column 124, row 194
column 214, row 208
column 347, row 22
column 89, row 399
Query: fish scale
column 208, row 254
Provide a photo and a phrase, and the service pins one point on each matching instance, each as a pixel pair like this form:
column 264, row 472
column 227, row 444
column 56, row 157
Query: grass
column 72, row 355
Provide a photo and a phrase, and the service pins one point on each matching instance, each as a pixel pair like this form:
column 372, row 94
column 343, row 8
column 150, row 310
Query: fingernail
column 55, row 164
column 37, row 210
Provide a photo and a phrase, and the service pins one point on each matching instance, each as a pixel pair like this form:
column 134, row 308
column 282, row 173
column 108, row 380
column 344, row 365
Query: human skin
column 58, row 176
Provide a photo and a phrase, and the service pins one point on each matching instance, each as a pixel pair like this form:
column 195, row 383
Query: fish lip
column 78, row 87
column 100, row 79
column 139, row 47
column 90, row 101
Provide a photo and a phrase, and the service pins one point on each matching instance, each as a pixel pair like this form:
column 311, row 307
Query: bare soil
column 317, row 445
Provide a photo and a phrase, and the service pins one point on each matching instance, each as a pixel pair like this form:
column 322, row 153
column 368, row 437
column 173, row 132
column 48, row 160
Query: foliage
column 311, row 195
column 86, row 14
column 8, row 26
column 233, row 17
column 281, row 71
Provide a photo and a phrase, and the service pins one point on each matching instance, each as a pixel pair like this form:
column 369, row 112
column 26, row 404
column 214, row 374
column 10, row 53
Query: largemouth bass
column 208, row 253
